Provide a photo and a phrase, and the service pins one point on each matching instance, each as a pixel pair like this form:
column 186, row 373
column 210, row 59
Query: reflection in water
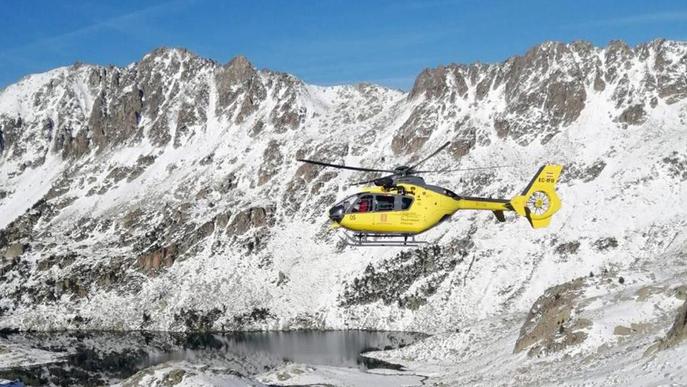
column 340, row 348
column 104, row 357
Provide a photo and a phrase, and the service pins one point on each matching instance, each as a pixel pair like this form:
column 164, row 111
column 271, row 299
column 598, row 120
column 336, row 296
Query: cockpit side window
column 364, row 204
column 384, row 203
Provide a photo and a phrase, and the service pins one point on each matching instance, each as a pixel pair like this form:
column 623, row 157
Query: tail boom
column 538, row 202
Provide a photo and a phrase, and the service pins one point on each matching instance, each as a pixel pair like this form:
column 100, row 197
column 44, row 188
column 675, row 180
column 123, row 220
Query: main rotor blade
column 446, row 170
column 340, row 166
column 430, row 156
column 373, row 180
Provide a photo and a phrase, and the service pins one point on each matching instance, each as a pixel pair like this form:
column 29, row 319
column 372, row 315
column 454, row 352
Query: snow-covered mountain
column 166, row 195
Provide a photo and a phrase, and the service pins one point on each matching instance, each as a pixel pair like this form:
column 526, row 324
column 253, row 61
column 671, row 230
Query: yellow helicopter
column 401, row 205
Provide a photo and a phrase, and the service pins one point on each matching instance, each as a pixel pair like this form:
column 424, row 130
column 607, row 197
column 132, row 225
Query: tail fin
column 539, row 201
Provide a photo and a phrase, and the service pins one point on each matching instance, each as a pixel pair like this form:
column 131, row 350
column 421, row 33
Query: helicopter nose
column 336, row 213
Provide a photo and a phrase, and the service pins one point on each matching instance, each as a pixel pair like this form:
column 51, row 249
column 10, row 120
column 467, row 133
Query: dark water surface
column 95, row 358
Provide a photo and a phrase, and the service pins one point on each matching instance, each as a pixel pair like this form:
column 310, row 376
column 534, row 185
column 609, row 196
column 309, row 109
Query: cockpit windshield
column 346, row 203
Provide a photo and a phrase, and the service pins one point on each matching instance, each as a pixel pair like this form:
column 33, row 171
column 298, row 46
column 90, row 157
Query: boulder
column 551, row 324
column 676, row 334
column 14, row 250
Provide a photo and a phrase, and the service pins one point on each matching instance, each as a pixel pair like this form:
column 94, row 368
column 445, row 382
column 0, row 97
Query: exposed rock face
column 153, row 261
column 677, row 333
column 288, row 112
column 677, row 163
column 9, row 134
column 433, row 83
column 117, row 122
column 14, row 250
column 633, row 115
column 273, row 159
column 412, row 135
column 239, row 89
column 585, row 173
column 250, row 218
column 550, row 325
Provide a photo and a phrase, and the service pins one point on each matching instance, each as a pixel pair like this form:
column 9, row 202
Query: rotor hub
column 403, row 170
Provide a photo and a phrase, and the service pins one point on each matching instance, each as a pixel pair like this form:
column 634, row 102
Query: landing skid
column 359, row 239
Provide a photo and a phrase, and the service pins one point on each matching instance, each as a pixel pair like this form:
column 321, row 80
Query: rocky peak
column 162, row 53
column 238, row 70
column 239, row 62
column 435, row 83
column 549, row 85
column 619, row 48
column 239, row 89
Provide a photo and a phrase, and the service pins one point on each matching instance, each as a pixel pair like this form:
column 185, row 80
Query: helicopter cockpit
column 369, row 202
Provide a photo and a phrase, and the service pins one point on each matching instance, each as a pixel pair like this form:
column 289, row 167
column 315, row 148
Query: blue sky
column 321, row 42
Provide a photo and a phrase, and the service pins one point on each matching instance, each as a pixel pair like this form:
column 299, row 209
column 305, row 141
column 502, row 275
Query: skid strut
column 357, row 239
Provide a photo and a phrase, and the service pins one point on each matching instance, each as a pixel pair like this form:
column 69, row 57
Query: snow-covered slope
column 608, row 329
column 166, row 195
